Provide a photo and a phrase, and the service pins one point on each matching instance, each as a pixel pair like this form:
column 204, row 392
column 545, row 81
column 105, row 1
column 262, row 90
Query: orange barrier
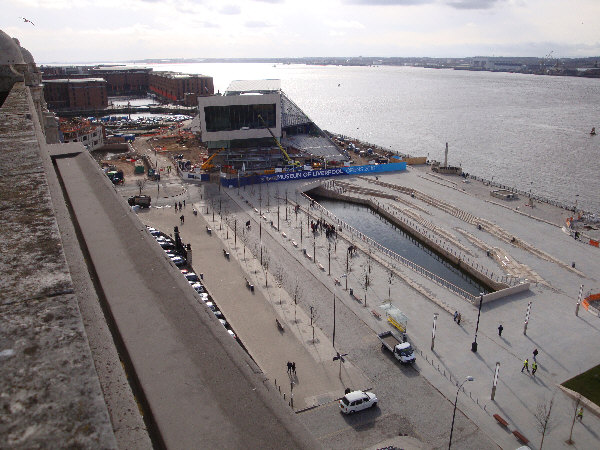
column 590, row 298
column 594, row 243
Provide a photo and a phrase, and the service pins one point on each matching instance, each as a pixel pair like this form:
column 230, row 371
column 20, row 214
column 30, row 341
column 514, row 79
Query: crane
column 206, row 165
column 289, row 160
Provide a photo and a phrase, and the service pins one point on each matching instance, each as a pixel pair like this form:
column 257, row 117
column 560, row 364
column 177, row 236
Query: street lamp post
column 474, row 344
column 579, row 300
column 468, row 378
column 527, row 318
column 495, row 383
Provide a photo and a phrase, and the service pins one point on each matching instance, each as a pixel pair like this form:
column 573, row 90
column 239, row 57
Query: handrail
column 391, row 254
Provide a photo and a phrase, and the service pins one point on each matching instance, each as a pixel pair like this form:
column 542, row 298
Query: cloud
column 257, row 24
column 230, row 10
column 472, row 4
column 349, row 24
column 388, row 2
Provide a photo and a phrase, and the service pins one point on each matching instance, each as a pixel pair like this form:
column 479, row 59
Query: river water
column 525, row 131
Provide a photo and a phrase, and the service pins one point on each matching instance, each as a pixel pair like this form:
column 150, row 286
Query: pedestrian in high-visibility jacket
column 533, row 368
column 525, row 365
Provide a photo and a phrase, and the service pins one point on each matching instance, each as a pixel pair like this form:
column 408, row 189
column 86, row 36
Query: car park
column 357, row 401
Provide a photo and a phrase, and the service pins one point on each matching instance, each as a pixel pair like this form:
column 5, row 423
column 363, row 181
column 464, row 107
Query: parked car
column 211, row 305
column 231, row 333
column 153, row 231
column 198, row 288
column 223, row 322
column 203, row 296
column 178, row 260
column 191, row 276
column 357, row 401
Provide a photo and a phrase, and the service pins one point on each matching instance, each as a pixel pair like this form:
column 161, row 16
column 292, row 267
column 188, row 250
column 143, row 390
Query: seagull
column 27, row 20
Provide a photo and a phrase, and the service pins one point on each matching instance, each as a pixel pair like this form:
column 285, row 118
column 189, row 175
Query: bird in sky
column 27, row 20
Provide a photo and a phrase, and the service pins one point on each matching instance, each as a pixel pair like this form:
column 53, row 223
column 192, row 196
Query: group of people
column 320, row 225
column 178, row 206
column 291, row 367
column 457, row 317
column 534, row 365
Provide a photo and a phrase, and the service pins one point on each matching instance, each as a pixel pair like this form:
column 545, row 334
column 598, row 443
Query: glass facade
column 239, row 117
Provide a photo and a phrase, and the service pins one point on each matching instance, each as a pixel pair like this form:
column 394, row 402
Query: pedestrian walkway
column 253, row 315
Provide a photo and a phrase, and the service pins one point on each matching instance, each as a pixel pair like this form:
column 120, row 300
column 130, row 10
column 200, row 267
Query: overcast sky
column 118, row 30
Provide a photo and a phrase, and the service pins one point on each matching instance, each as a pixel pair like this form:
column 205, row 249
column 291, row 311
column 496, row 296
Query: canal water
column 387, row 234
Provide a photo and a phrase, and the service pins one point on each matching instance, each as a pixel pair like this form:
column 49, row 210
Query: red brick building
column 78, row 93
column 124, row 80
column 179, row 87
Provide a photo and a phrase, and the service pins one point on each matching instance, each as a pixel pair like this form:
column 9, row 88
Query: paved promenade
column 317, row 380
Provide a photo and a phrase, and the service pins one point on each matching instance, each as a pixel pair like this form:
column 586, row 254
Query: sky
column 72, row 31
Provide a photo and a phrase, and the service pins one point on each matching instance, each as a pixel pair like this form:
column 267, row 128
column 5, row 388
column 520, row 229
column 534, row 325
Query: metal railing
column 391, row 254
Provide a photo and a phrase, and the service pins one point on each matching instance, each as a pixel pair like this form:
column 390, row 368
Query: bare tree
column 542, row 417
column 297, row 291
column 279, row 276
column 391, row 276
column 313, row 318
column 244, row 239
column 140, row 183
column 576, row 403
column 265, row 264
column 365, row 282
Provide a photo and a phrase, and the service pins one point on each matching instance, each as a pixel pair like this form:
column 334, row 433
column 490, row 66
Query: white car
column 231, row 333
column 357, row 401
column 211, row 305
column 198, row 287
column 203, row 296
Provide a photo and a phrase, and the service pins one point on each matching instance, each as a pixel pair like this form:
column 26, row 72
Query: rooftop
column 268, row 86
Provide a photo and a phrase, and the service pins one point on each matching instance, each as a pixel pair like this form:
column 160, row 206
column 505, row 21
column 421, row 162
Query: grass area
column 587, row 384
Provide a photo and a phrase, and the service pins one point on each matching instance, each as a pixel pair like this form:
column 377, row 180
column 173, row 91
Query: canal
column 387, row 234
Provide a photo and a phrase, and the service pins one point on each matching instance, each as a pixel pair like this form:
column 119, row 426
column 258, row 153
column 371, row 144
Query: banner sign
column 308, row 174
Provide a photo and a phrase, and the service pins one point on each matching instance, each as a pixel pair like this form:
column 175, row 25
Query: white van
column 357, row 401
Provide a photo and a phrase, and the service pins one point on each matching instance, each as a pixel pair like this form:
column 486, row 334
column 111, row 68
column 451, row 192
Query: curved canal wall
column 488, row 282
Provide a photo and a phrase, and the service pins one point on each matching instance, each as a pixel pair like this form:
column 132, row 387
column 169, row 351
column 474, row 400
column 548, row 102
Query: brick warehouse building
column 181, row 88
column 124, row 80
column 77, row 93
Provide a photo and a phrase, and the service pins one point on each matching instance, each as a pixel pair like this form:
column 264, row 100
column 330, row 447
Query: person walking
column 179, row 206
column 533, row 368
column 500, row 328
column 535, row 353
column 184, row 202
column 175, row 206
column 289, row 367
column 580, row 414
column 458, row 318
column 525, row 365
column 181, row 219
column 294, row 367
column 455, row 315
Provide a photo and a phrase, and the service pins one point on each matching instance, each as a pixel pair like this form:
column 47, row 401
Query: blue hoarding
column 308, row 174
